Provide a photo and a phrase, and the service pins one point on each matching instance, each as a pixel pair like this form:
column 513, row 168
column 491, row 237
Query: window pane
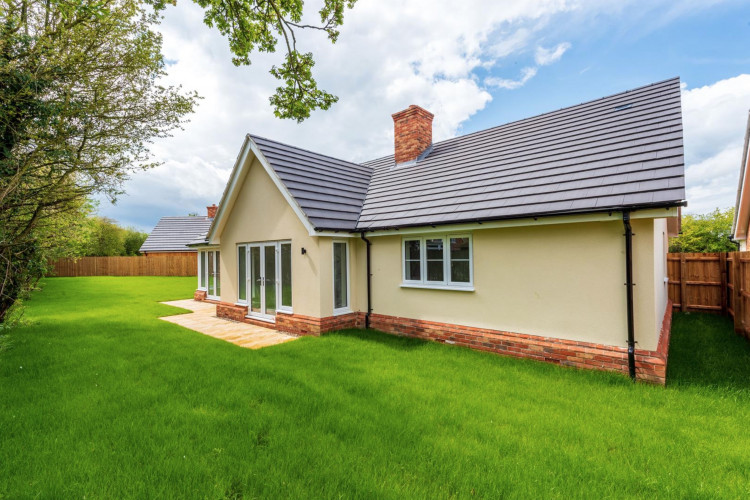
column 203, row 269
column 413, row 270
column 211, row 273
column 269, row 257
column 434, row 249
column 435, row 269
column 242, row 274
column 412, row 249
column 255, row 279
column 412, row 260
column 218, row 280
column 460, row 271
column 459, row 248
column 339, row 276
column 460, row 263
column 286, row 274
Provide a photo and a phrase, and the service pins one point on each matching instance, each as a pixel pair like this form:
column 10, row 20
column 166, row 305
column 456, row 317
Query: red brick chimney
column 413, row 133
column 211, row 210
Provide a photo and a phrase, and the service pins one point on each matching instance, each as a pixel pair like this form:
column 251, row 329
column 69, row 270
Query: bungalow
column 527, row 239
column 741, row 223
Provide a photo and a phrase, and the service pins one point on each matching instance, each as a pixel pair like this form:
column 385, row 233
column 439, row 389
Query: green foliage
column 105, row 238
column 259, row 25
column 80, row 103
column 133, row 241
column 97, row 387
column 709, row 232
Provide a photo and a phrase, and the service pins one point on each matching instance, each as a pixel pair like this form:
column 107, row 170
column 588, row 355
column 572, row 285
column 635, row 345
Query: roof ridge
column 540, row 115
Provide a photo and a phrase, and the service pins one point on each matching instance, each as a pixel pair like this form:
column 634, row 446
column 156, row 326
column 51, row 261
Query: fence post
column 683, row 283
column 723, row 270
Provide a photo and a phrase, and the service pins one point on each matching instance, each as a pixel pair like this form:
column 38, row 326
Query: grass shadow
column 384, row 339
column 705, row 351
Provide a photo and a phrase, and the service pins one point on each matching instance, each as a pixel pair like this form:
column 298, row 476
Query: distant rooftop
column 172, row 234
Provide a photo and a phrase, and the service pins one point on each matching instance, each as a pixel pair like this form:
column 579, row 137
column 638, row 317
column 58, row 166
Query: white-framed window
column 438, row 261
column 341, row 277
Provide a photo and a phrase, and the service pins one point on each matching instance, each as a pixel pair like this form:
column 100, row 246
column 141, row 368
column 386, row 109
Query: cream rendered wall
column 260, row 213
column 564, row 281
column 661, row 291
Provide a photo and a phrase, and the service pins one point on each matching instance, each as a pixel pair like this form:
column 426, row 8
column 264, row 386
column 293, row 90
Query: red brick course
column 234, row 312
column 200, row 295
column 412, row 133
column 295, row 324
column 651, row 366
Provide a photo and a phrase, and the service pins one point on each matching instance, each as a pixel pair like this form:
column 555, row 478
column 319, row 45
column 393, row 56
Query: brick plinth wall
column 651, row 366
column 307, row 325
column 200, row 295
column 231, row 311
column 295, row 324
column 412, row 129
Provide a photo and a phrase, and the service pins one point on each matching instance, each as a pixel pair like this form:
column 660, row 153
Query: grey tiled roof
column 329, row 191
column 616, row 152
column 172, row 234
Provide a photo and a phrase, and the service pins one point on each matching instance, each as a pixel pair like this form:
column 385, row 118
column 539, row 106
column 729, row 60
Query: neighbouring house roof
column 742, row 206
column 173, row 234
column 329, row 191
column 619, row 152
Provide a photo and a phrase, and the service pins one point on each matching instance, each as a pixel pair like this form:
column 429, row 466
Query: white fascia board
column 739, row 228
column 656, row 213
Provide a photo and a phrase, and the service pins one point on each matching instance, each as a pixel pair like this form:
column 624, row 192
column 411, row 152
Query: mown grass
column 99, row 399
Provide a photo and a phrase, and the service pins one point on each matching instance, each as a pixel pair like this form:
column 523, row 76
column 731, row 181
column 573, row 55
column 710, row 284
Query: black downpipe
column 369, row 282
column 629, row 284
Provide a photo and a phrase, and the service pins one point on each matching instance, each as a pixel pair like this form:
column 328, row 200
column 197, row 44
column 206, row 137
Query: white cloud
column 390, row 54
column 505, row 83
column 714, row 119
column 543, row 56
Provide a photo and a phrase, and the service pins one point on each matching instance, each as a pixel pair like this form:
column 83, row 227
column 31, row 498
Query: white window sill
column 240, row 303
column 468, row 288
column 341, row 312
column 202, row 289
column 284, row 311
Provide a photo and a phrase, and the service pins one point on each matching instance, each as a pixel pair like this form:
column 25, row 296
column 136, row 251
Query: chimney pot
column 412, row 133
column 211, row 210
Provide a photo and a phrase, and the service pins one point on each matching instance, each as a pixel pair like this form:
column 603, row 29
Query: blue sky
column 485, row 64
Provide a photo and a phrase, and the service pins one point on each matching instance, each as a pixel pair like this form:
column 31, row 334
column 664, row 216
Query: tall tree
column 79, row 104
column 260, row 25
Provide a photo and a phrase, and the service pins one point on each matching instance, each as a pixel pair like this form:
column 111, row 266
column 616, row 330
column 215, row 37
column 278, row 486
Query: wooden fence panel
column 697, row 282
column 177, row 264
column 712, row 282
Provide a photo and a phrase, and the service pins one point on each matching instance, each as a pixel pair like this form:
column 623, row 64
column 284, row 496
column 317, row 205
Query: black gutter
column 629, row 284
column 369, row 283
column 479, row 220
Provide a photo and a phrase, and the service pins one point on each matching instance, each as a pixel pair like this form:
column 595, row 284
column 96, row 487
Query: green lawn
column 99, row 399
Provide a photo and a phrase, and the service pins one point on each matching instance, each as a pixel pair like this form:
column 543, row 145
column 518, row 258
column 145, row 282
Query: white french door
column 269, row 278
